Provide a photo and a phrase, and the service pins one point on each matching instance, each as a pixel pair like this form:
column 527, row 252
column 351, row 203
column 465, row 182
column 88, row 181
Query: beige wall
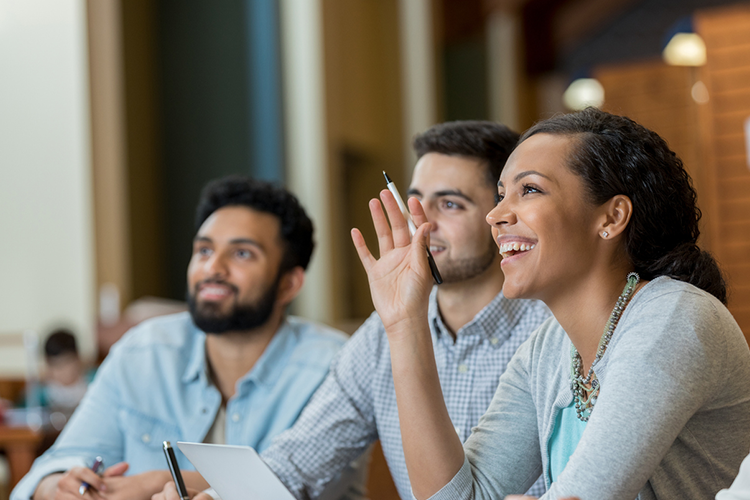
column 46, row 257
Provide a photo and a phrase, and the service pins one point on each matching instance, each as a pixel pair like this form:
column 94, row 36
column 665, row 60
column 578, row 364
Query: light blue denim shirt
column 154, row 387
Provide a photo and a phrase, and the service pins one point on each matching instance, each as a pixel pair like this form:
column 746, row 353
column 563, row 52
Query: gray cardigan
column 672, row 420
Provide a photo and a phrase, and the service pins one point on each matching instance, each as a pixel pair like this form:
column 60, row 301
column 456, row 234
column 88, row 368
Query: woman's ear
column 290, row 285
column 616, row 216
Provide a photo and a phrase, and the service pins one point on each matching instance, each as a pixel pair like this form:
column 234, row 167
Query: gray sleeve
column 664, row 364
column 335, row 428
column 502, row 455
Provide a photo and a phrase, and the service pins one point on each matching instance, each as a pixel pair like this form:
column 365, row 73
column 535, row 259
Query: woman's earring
column 605, row 234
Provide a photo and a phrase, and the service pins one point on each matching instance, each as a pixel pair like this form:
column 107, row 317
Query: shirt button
column 236, row 417
column 463, row 368
column 146, row 438
column 494, row 340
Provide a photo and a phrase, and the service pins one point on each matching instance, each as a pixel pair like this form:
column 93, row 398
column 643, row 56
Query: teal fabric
column 564, row 439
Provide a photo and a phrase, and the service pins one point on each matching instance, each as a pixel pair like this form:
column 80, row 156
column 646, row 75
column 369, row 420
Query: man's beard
column 241, row 317
column 454, row 271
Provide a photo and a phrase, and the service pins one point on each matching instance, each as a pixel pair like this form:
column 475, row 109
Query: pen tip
column 387, row 179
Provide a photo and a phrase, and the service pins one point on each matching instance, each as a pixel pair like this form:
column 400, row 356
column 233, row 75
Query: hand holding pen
column 412, row 227
column 98, row 462
column 400, row 279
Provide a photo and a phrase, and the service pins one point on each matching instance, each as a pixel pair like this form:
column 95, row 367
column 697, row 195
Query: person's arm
column 503, row 453
column 336, row 426
column 400, row 283
column 95, row 430
column 91, row 432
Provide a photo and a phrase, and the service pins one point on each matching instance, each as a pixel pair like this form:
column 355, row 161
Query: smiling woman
column 637, row 386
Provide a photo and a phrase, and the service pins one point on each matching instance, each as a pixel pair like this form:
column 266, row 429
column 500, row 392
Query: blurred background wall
column 46, row 227
column 114, row 114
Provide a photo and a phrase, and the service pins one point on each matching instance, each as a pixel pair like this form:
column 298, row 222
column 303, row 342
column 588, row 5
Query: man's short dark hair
column 485, row 140
column 295, row 227
column 59, row 342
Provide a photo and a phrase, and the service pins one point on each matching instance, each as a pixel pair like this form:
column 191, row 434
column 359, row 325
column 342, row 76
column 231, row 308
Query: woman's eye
column 530, row 189
column 204, row 251
column 499, row 198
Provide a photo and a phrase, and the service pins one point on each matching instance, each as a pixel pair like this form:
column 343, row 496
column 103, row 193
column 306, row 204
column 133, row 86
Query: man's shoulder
column 311, row 344
column 523, row 314
column 311, row 333
column 370, row 332
column 169, row 331
column 528, row 306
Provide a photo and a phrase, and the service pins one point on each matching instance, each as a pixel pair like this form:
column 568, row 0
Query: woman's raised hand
column 400, row 280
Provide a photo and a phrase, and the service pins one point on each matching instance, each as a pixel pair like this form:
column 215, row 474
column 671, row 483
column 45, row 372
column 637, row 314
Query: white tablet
column 235, row 472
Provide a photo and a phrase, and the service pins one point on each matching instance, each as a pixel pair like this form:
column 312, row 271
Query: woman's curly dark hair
column 296, row 228
column 615, row 155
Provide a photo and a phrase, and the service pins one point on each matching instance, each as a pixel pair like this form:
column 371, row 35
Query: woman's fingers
column 382, row 229
column 417, row 211
column 417, row 214
column 362, row 251
column 393, row 235
column 399, row 227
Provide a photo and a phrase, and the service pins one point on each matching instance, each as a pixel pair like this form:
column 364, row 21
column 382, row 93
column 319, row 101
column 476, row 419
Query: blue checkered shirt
column 356, row 404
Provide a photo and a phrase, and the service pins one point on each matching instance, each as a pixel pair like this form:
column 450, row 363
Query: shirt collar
column 273, row 361
column 196, row 366
column 494, row 321
column 265, row 371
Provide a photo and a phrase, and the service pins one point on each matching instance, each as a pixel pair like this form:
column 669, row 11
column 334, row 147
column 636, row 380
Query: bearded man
column 236, row 369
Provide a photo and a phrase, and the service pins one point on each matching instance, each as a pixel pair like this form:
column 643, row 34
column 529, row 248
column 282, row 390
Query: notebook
column 235, row 472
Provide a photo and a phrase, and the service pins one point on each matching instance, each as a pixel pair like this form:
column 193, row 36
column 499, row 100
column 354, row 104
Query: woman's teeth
column 508, row 249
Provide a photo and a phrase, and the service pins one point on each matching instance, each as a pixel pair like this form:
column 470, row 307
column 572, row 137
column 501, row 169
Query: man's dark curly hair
column 615, row 155
column 488, row 141
column 296, row 228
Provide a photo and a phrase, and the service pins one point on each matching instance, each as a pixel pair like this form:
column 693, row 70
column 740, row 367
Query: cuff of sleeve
column 25, row 489
column 459, row 486
column 212, row 493
column 281, row 468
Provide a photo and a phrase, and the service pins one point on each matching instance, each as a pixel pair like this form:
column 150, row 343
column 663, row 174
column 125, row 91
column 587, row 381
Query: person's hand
column 400, row 280
column 169, row 492
column 66, row 485
column 118, row 469
column 137, row 487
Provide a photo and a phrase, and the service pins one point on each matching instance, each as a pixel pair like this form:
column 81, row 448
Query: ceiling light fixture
column 582, row 93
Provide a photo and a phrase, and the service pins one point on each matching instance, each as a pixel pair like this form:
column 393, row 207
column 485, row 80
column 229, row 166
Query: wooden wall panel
column 726, row 74
column 659, row 97
column 737, row 233
column 736, row 252
column 709, row 138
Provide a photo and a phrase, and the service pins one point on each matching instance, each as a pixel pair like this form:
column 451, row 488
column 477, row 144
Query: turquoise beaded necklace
column 584, row 397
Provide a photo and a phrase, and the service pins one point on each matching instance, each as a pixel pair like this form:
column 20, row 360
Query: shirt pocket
column 144, row 435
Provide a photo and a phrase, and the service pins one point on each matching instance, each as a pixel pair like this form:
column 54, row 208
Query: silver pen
column 412, row 227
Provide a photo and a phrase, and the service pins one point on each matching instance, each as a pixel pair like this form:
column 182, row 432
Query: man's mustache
column 214, row 281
